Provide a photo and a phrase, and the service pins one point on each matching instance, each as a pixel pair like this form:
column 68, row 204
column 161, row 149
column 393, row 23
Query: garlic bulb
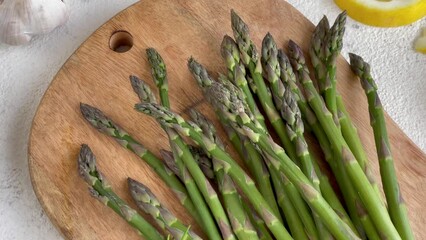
column 20, row 20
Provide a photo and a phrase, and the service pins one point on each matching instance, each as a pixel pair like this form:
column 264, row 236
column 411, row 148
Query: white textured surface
column 26, row 71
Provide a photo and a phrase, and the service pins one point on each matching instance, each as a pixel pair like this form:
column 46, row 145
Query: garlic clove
column 20, row 20
column 48, row 14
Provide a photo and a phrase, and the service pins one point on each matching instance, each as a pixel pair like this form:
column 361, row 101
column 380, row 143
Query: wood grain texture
column 96, row 75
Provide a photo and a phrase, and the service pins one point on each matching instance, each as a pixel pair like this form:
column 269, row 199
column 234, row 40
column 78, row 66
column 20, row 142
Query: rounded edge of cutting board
column 212, row 27
column 31, row 167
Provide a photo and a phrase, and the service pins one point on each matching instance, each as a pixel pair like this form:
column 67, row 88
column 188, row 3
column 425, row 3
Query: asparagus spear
column 106, row 126
column 261, row 229
column 290, row 112
column 296, row 200
column 236, row 112
column 333, row 45
column 330, row 42
column 149, row 203
column 317, row 54
column 349, row 193
column 255, row 163
column 359, row 180
column 181, row 151
column 396, row 206
column 284, row 201
column 251, row 60
column 240, row 222
column 170, row 162
column 247, row 152
column 141, row 89
column 240, row 178
column 179, row 148
column 236, row 69
column 325, row 47
column 159, row 75
column 366, row 222
column 272, row 69
column 237, row 73
column 204, row 162
column 102, row 191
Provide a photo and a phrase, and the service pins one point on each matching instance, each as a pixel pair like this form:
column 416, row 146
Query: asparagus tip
column 91, row 113
column 151, row 52
column 358, row 65
column 142, row 89
column 86, row 164
column 296, row 52
column 135, row 82
column 170, row 161
column 131, row 181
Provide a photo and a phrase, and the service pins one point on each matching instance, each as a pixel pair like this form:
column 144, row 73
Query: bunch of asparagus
column 285, row 194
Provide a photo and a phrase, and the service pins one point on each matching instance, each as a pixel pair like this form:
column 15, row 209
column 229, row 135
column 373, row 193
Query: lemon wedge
column 384, row 13
column 420, row 43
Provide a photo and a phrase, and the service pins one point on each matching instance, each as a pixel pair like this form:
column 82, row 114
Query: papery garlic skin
column 20, row 20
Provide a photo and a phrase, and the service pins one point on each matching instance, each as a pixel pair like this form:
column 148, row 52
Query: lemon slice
column 384, row 13
column 420, row 43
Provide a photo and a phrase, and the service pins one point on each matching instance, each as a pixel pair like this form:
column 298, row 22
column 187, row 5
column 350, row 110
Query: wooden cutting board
column 97, row 75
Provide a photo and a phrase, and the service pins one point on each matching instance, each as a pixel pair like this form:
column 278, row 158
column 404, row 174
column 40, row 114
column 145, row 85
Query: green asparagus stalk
column 251, row 150
column 231, row 106
column 294, row 222
column 396, row 206
column 289, row 77
column 247, row 152
column 265, row 142
column 181, row 150
column 183, row 157
column 369, row 228
column 142, row 90
column 159, row 75
column 170, row 162
column 290, row 190
column 349, row 193
column 237, row 72
column 204, row 162
column 333, row 46
column 350, row 134
column 231, row 167
column 102, row 191
column 234, row 109
column 331, row 42
column 272, row 69
column 250, row 156
column 290, row 112
column 108, row 127
column 317, row 54
column 251, row 60
column 359, row 180
column 240, row 222
column 149, row 203
column 262, row 230
column 325, row 47
column 206, row 166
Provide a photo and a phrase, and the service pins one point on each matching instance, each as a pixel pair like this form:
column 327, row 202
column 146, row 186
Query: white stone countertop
column 26, row 71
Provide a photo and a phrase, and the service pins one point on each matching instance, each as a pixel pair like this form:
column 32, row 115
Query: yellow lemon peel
column 384, row 13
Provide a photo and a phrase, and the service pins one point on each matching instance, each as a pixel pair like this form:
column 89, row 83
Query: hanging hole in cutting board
column 121, row 41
